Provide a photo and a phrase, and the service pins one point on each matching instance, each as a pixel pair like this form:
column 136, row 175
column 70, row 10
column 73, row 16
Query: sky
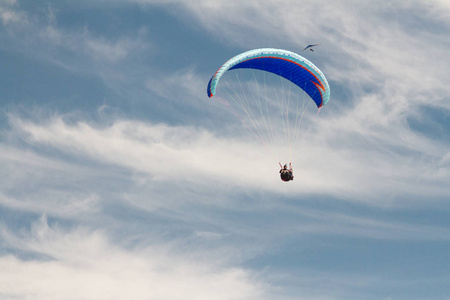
column 121, row 179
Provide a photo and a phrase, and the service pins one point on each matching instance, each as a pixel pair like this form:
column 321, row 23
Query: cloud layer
column 81, row 264
column 160, row 195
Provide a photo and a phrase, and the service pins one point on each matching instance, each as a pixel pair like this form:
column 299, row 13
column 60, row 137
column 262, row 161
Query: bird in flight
column 310, row 47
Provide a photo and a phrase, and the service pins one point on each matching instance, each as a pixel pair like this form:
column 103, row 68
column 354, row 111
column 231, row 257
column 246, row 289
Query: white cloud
column 9, row 15
column 207, row 235
column 335, row 223
column 165, row 152
column 71, row 48
column 97, row 48
column 186, row 82
column 55, row 262
column 32, row 182
column 224, row 192
column 366, row 166
column 57, row 203
column 80, row 264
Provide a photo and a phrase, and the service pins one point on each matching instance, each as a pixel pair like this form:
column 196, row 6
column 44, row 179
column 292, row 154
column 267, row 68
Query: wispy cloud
column 138, row 209
column 186, row 83
column 39, row 36
column 192, row 154
column 208, row 233
column 165, row 152
column 8, row 15
column 83, row 264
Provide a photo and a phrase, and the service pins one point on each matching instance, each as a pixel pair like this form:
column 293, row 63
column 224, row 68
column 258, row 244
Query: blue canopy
column 286, row 64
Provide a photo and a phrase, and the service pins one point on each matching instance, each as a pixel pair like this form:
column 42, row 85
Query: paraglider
column 273, row 116
column 285, row 173
column 310, row 47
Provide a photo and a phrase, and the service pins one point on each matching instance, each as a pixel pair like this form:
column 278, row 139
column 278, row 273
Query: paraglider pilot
column 285, row 173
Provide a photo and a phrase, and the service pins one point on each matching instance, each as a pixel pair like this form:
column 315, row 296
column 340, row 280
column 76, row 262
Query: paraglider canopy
column 289, row 65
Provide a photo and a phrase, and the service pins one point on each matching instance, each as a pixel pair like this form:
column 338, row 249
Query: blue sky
column 121, row 179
